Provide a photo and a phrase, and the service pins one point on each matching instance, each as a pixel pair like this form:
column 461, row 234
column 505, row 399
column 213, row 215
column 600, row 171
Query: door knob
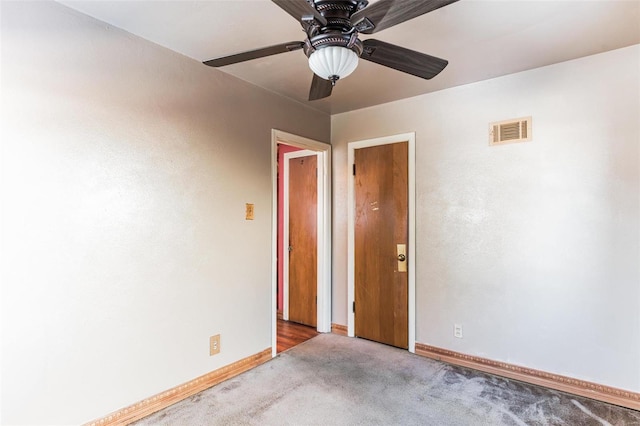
column 402, row 257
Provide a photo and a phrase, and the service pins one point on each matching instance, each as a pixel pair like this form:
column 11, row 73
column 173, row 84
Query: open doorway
column 298, row 189
column 301, row 250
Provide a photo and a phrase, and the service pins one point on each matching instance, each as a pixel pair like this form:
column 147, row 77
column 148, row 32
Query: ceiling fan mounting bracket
column 310, row 25
column 353, row 39
column 363, row 25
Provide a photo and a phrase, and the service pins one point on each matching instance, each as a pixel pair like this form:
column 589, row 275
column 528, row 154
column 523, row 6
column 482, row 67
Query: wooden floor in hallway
column 291, row 334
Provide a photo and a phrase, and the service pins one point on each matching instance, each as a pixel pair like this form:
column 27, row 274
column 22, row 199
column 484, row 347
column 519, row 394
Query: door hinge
column 354, row 306
column 354, row 169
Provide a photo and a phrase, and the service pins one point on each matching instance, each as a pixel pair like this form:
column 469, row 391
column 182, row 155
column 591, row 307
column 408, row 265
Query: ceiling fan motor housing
column 338, row 31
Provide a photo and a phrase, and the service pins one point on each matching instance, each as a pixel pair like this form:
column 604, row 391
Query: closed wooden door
column 303, row 243
column 381, row 224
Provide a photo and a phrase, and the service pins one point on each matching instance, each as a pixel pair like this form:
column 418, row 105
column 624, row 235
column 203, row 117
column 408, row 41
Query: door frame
column 285, row 232
column 411, row 249
column 324, row 228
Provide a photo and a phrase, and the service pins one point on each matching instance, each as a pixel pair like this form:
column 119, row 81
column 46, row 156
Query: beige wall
column 533, row 248
column 125, row 172
column 125, row 169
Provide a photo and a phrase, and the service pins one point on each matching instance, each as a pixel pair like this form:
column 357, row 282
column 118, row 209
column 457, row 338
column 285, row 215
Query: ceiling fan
column 332, row 44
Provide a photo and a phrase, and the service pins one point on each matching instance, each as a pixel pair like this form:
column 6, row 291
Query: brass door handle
column 402, row 257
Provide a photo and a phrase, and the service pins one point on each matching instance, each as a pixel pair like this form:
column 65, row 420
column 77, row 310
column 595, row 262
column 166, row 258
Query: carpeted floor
column 335, row 380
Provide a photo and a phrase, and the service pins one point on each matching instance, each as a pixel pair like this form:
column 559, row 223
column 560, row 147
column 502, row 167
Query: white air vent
column 510, row 131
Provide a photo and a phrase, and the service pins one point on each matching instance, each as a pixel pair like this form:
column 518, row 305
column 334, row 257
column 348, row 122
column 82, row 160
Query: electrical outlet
column 457, row 331
column 214, row 345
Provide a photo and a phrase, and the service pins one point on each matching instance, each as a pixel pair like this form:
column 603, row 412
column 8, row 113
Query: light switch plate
column 249, row 211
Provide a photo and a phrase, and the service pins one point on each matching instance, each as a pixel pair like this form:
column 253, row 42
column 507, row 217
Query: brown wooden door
column 303, row 246
column 381, row 223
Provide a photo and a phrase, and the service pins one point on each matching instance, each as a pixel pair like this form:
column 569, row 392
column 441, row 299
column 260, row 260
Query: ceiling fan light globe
column 331, row 61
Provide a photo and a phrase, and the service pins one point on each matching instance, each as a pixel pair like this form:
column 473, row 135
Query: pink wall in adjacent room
column 282, row 149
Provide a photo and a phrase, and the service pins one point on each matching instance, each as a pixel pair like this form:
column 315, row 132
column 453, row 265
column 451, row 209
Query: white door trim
column 324, row 228
column 352, row 146
column 285, row 237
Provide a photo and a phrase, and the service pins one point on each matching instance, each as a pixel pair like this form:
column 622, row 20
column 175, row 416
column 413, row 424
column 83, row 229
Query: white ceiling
column 481, row 39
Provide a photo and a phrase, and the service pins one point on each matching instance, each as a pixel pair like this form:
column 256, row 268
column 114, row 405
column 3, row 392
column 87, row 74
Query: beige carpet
column 335, row 380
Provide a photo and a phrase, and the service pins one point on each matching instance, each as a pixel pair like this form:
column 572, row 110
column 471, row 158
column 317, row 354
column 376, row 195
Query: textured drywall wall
column 532, row 247
column 125, row 173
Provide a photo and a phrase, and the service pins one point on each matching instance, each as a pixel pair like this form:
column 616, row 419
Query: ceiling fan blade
column 300, row 8
column 254, row 54
column 320, row 88
column 402, row 59
column 387, row 13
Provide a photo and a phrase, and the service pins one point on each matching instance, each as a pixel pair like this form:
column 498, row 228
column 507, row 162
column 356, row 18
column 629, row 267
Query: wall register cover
column 510, row 131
